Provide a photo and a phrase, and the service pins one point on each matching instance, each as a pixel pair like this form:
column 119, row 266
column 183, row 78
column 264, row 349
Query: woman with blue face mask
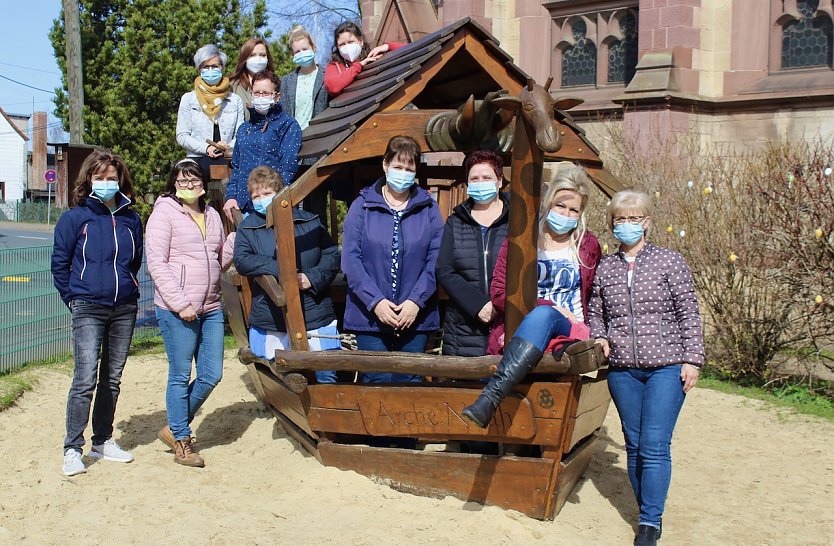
column 644, row 314
column 95, row 260
column 472, row 239
column 209, row 112
column 270, row 138
column 317, row 265
column 568, row 255
column 303, row 97
column 390, row 245
column 254, row 58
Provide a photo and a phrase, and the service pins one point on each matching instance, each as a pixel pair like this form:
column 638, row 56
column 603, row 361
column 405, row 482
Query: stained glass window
column 622, row 55
column 807, row 42
column 579, row 62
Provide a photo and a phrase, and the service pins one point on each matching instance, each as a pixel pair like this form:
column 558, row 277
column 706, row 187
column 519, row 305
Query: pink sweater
column 184, row 266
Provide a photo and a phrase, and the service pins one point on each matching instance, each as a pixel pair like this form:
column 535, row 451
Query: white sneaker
column 110, row 451
column 72, row 463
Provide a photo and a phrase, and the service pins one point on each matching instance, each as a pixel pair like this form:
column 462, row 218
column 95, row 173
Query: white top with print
column 558, row 280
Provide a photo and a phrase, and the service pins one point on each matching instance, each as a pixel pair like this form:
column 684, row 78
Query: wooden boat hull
column 550, row 422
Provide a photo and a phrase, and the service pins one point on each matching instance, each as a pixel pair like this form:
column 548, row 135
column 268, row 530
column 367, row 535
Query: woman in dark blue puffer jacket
column 97, row 255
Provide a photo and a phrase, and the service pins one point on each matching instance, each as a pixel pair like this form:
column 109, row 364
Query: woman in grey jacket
column 644, row 314
column 303, row 97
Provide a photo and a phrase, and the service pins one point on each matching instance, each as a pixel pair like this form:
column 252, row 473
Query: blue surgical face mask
column 304, row 58
column 561, row 224
column 399, row 180
column 105, row 189
column 211, row 76
column 628, row 234
column 482, row 192
column 261, row 205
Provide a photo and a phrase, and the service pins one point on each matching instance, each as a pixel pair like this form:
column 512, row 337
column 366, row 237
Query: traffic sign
column 50, row 176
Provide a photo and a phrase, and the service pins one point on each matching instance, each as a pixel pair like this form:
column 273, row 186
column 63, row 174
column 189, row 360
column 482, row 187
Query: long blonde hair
column 570, row 177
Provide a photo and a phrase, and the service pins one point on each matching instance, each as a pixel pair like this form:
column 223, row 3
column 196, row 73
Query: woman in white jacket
column 209, row 112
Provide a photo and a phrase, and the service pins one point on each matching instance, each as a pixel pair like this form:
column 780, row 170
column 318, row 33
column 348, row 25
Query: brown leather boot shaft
column 185, row 454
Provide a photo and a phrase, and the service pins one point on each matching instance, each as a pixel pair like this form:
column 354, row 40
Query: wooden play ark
column 428, row 90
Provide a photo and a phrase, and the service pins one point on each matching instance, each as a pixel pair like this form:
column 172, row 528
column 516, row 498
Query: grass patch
column 15, row 383
column 797, row 398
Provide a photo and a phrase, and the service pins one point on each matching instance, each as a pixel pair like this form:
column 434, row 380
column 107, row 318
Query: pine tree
column 137, row 63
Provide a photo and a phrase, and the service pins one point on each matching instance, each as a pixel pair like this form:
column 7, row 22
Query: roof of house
column 15, row 127
column 439, row 71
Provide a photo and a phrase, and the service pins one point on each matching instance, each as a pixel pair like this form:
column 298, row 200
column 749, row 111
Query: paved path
column 20, row 235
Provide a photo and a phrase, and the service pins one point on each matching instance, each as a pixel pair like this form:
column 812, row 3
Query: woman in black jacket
column 472, row 237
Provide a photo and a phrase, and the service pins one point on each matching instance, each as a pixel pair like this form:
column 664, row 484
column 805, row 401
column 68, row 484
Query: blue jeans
column 407, row 342
column 97, row 330
column 648, row 401
column 199, row 340
column 541, row 325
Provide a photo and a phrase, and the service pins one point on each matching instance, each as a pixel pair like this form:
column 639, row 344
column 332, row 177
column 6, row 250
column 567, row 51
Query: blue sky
column 26, row 55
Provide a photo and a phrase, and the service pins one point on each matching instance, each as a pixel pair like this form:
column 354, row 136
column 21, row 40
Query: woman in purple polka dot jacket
column 644, row 314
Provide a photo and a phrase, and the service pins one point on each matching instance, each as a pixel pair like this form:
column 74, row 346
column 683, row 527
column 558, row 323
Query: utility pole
column 75, row 78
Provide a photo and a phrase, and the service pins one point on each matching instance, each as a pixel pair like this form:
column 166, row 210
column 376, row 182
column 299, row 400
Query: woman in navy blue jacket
column 270, row 137
column 390, row 245
column 97, row 255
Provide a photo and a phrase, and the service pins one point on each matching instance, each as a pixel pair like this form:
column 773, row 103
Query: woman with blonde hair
column 568, row 255
column 644, row 314
column 254, row 58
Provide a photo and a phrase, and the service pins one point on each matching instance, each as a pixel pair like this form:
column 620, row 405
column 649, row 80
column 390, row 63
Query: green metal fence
column 34, row 322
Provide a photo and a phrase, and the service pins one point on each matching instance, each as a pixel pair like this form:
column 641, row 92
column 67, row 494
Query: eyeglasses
column 263, row 94
column 193, row 182
column 619, row 220
column 211, row 67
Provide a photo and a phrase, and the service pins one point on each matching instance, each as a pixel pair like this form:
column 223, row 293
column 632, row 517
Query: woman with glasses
column 209, row 112
column 184, row 245
column 568, row 255
column 270, row 138
column 644, row 313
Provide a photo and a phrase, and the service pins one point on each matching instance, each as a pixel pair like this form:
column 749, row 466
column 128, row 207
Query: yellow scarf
column 211, row 96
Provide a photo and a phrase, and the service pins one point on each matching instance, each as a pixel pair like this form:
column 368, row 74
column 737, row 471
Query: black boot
column 646, row 536
column 520, row 357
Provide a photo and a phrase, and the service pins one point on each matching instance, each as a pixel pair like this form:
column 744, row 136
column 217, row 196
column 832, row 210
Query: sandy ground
column 744, row 473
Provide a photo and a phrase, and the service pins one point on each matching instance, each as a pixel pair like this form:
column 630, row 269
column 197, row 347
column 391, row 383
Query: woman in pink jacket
column 184, row 246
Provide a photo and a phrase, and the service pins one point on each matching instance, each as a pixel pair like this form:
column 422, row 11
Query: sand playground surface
column 744, row 473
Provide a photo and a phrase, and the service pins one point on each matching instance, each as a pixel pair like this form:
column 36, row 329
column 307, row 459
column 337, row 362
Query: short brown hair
column 264, row 177
column 96, row 162
column 484, row 156
column 403, row 148
column 265, row 75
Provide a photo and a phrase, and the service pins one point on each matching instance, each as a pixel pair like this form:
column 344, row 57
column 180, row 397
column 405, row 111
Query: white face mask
column 350, row 52
column 262, row 104
column 256, row 64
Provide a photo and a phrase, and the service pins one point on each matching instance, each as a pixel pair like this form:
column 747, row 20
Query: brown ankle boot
column 167, row 437
column 185, row 454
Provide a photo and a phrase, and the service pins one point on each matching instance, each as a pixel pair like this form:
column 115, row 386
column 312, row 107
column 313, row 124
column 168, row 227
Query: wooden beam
column 569, row 472
column 515, row 483
column 295, row 382
column 497, row 69
column 523, row 229
column 272, row 289
column 605, row 181
column 287, row 269
column 452, row 367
